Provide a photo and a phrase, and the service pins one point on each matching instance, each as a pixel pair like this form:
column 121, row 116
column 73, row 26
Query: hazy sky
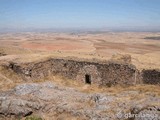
column 135, row 14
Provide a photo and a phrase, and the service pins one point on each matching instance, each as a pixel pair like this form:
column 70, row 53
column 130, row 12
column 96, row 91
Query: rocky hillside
column 51, row 101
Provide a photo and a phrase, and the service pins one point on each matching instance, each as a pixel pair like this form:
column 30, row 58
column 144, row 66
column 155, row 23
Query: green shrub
column 33, row 118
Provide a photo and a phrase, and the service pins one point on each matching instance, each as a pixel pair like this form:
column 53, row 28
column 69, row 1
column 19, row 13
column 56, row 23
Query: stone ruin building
column 88, row 71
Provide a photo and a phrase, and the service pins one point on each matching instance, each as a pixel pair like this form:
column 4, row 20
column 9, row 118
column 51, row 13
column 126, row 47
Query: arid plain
column 55, row 97
column 144, row 48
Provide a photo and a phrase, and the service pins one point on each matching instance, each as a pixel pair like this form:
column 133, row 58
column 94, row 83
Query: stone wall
column 101, row 73
column 151, row 76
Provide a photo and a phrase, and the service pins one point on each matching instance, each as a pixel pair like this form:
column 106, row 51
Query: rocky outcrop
column 49, row 98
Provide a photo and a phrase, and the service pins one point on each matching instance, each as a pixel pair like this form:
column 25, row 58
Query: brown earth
column 28, row 47
column 145, row 53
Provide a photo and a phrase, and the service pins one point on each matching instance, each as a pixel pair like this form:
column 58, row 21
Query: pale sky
column 103, row 14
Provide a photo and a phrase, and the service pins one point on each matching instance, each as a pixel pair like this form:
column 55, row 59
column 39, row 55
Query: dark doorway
column 87, row 79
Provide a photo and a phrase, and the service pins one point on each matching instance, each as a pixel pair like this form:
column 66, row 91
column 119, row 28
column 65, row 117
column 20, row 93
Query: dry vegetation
column 8, row 79
column 143, row 89
column 27, row 47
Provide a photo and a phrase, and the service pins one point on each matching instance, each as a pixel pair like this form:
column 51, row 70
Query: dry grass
column 11, row 50
column 8, row 79
column 146, row 88
column 144, row 53
column 143, row 89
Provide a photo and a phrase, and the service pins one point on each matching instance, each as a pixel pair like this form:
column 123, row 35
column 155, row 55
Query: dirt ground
column 145, row 53
column 29, row 47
